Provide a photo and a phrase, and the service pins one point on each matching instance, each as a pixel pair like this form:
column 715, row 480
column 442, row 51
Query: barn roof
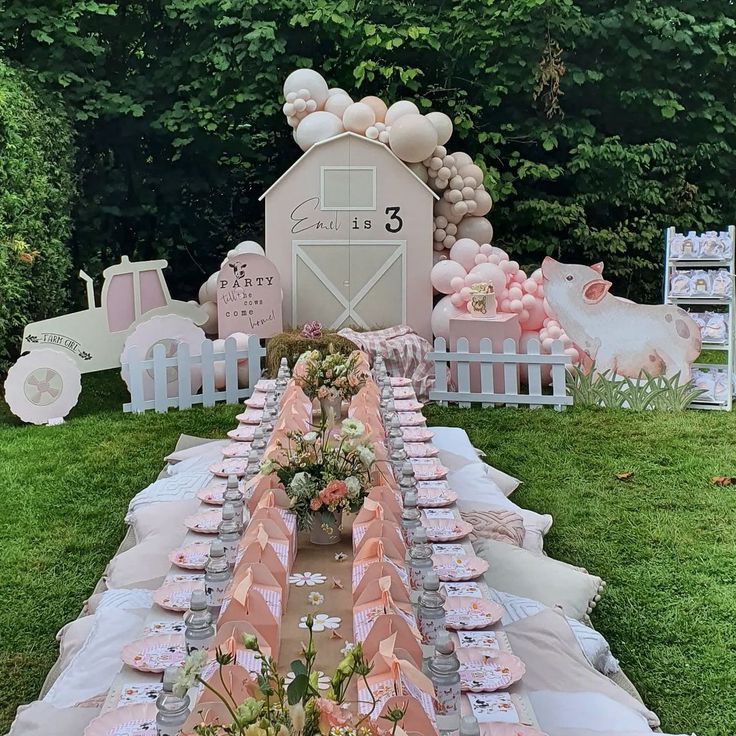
column 337, row 137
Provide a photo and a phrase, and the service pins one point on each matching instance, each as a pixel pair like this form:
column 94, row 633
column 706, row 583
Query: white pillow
column 91, row 671
column 593, row 645
column 165, row 519
column 144, row 565
column 41, row 719
column 456, row 441
column 173, row 488
column 195, row 459
column 478, row 492
column 125, row 599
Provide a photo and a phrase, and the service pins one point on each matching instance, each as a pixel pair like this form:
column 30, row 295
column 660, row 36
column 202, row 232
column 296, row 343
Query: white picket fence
column 183, row 362
column 461, row 359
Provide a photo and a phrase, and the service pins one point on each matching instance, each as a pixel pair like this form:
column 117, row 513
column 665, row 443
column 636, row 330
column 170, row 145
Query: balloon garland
column 462, row 232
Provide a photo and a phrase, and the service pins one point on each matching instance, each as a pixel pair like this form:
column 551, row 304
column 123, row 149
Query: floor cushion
column 42, row 719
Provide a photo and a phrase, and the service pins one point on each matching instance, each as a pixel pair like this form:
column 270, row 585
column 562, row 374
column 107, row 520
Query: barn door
column 359, row 283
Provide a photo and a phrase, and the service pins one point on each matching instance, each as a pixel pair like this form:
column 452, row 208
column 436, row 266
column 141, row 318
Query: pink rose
column 333, row 492
column 331, row 715
column 315, row 504
column 322, row 392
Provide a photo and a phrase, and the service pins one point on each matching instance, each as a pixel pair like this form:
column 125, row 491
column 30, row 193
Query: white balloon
column 247, row 246
column 359, row 117
column 337, row 104
column 399, row 109
column 332, row 91
column 310, row 80
column 209, row 288
column 210, row 326
column 442, row 124
column 318, row 126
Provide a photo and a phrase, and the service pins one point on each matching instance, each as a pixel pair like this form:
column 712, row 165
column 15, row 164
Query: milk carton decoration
column 620, row 336
column 249, row 297
column 482, row 300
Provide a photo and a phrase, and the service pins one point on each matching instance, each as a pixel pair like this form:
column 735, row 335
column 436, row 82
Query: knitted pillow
column 499, row 524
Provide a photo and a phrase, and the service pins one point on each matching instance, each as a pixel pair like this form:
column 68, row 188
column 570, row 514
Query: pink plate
column 408, row 405
column 416, row 434
column 432, row 498
column 410, row 418
column 487, row 670
column 456, row 568
column 205, row 522
column 429, row 470
column 420, row 449
column 403, row 393
column 130, row 720
column 191, row 556
column 176, row 596
column 471, row 613
column 447, row 530
column 250, row 416
column 213, row 493
column 400, row 381
column 257, row 401
column 155, row 653
column 231, row 466
column 236, row 449
column 242, row 433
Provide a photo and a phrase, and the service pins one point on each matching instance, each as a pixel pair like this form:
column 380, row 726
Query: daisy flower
column 300, row 579
column 322, row 621
column 316, row 599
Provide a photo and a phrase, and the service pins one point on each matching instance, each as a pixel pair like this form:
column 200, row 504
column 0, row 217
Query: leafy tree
column 598, row 124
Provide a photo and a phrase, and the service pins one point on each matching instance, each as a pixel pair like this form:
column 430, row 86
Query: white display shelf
column 673, row 265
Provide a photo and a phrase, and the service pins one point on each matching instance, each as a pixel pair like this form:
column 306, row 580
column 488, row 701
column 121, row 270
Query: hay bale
column 292, row 344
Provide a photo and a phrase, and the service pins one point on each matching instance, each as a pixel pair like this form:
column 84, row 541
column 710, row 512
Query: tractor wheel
column 168, row 330
column 44, row 384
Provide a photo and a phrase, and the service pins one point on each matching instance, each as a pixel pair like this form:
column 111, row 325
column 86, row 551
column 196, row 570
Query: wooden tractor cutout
column 136, row 310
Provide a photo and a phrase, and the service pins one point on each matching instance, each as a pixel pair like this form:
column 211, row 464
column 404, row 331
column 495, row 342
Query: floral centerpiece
column 296, row 709
column 331, row 378
column 324, row 474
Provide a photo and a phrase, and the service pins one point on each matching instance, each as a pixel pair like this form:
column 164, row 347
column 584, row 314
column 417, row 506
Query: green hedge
column 36, row 189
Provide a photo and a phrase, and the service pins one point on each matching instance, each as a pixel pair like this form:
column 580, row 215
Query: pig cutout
column 622, row 337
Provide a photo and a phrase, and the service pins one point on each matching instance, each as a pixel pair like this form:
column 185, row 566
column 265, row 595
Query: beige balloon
column 377, row 105
column 483, row 201
column 399, row 109
column 442, row 124
column 461, row 159
column 473, row 171
column 420, row 170
column 475, row 228
column 318, row 126
column 445, row 209
column 308, row 79
column 412, row 138
column 358, row 117
column 337, row 104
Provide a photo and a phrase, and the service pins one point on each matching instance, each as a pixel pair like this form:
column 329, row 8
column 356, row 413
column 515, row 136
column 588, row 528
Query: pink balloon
column 524, row 340
column 465, row 293
column 494, row 259
column 502, row 255
column 537, row 315
column 505, row 306
column 486, row 249
column 528, row 301
column 573, row 353
column 457, row 283
column 442, row 313
column 538, row 276
column 530, row 286
column 473, row 278
column 546, row 343
column 480, row 258
column 554, row 332
column 464, row 252
column 492, row 273
column 520, row 276
column 509, row 267
column 515, row 293
column 443, row 273
column 457, row 300
column 516, row 306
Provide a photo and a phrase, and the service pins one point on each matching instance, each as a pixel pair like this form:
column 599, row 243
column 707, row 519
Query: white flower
column 322, row 621
column 189, row 670
column 267, row 467
column 352, row 428
column 353, row 486
column 307, row 578
column 316, row 599
column 365, row 454
column 310, row 437
column 323, row 681
column 349, row 646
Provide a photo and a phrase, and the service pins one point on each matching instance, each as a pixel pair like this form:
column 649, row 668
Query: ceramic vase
column 331, row 410
column 326, row 527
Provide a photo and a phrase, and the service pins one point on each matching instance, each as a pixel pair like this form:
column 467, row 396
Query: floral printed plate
column 191, row 556
column 250, row 416
column 430, row 498
column 471, row 613
column 429, row 470
column 236, row 449
column 408, row 405
column 447, row 530
column 404, row 392
column 231, row 466
column 416, row 434
column 456, row 568
column 155, row 653
column 420, row 449
column 213, row 493
column 400, row 381
column 410, row 418
column 205, row 522
column 265, row 384
column 257, row 401
column 176, row 596
column 242, row 433
column 130, row 720
column 486, row 670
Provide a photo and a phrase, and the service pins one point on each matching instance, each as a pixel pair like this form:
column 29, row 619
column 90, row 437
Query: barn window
column 348, row 188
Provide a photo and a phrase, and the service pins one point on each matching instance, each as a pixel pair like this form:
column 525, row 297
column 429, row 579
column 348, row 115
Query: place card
column 139, row 693
column 479, row 639
column 493, row 708
column 439, row 513
column 164, row 627
column 438, row 485
column 468, row 590
column 458, row 550
column 182, row 577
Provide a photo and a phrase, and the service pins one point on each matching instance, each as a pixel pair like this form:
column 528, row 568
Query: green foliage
column 598, row 124
column 647, row 392
column 36, row 159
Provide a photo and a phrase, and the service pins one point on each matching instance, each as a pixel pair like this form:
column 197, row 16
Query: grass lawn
column 665, row 540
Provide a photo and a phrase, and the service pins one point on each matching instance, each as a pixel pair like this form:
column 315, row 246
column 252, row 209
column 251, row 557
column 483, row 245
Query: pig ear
column 598, row 267
column 594, row 291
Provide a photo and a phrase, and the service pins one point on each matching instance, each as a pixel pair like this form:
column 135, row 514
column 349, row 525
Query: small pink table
column 498, row 329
